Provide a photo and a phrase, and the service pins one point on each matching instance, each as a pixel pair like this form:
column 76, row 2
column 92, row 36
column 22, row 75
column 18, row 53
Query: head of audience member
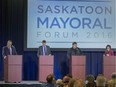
column 72, row 82
column 80, row 83
column 112, row 82
column 74, row 45
column 54, row 80
column 59, row 83
column 9, row 43
column 108, row 48
column 101, row 81
column 44, row 42
column 50, row 78
column 66, row 80
column 113, row 76
column 90, row 81
column 90, row 78
column 69, row 75
column 76, row 83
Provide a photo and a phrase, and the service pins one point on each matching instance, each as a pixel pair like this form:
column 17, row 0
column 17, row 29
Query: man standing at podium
column 74, row 50
column 8, row 50
column 44, row 49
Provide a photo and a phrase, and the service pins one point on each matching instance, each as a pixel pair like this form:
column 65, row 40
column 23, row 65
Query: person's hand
column 104, row 55
column 4, row 57
column 49, row 54
column 107, row 54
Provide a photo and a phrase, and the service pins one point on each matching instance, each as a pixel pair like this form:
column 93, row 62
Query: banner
column 90, row 23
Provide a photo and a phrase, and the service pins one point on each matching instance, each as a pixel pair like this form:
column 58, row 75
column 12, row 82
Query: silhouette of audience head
column 76, row 83
column 101, row 81
column 69, row 75
column 113, row 75
column 59, row 83
column 90, row 79
column 112, row 82
column 50, row 78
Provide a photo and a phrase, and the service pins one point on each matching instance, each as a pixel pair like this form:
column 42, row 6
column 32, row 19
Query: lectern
column 109, row 66
column 46, row 67
column 13, row 68
column 78, row 67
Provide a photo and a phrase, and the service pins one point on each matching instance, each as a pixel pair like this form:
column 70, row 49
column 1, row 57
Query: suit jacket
column 40, row 50
column 6, row 52
column 72, row 51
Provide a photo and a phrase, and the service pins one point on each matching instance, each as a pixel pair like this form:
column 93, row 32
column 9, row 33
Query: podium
column 13, row 68
column 109, row 66
column 46, row 66
column 78, row 67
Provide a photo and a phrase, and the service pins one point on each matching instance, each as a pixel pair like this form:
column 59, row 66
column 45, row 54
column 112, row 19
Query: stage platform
column 22, row 84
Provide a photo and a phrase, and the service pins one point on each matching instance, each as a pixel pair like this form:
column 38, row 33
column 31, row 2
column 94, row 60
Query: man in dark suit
column 44, row 49
column 8, row 50
column 74, row 50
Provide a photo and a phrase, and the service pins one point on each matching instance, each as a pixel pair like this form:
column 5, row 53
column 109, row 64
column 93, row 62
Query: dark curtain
column 12, row 26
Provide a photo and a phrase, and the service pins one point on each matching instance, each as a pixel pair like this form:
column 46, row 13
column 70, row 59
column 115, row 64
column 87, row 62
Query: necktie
column 44, row 52
column 10, row 50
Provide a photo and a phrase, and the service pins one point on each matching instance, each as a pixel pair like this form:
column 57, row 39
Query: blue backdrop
column 12, row 26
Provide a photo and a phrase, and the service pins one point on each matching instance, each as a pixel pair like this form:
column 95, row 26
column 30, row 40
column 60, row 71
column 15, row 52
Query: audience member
column 80, row 83
column 101, row 81
column 59, row 83
column 69, row 75
column 90, row 79
column 49, row 80
column 76, row 83
column 72, row 82
column 66, row 80
column 112, row 82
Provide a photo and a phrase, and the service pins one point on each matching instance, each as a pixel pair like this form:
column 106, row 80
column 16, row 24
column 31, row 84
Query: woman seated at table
column 109, row 51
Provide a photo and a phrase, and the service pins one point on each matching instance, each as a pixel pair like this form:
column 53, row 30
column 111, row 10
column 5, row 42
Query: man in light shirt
column 9, row 49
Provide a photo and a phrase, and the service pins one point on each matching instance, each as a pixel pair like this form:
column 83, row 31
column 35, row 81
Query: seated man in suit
column 8, row 50
column 44, row 49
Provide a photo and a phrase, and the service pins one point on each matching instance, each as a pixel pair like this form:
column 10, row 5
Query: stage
column 22, row 84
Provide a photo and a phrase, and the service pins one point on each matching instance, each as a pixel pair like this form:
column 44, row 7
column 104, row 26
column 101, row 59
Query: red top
column 109, row 53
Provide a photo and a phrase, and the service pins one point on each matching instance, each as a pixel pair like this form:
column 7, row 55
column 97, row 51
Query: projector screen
column 90, row 23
